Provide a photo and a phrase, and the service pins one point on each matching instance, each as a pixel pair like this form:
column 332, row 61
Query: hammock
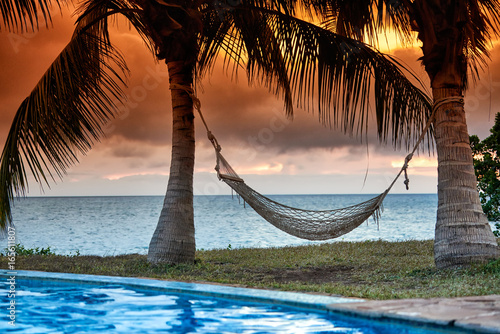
column 306, row 224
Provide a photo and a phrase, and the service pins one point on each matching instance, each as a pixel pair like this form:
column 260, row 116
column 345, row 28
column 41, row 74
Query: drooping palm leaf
column 21, row 15
column 482, row 22
column 92, row 11
column 64, row 113
column 365, row 20
column 265, row 60
column 346, row 74
column 340, row 72
column 475, row 20
column 491, row 14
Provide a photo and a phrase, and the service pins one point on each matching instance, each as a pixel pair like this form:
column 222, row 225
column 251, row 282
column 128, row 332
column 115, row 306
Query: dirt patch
column 316, row 275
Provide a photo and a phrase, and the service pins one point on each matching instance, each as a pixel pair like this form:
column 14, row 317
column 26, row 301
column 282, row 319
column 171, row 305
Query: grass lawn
column 370, row 269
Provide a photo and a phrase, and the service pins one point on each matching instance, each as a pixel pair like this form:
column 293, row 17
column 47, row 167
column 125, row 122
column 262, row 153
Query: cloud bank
column 249, row 122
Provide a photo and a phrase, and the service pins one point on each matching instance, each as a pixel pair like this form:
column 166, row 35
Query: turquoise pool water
column 82, row 306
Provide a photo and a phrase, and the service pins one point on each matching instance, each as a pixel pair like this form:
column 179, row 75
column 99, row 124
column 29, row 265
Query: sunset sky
column 275, row 155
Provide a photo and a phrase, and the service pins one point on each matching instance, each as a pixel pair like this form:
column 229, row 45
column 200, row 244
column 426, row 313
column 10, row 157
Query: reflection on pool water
column 44, row 306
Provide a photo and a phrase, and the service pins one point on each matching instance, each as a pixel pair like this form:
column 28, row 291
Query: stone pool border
column 471, row 314
column 474, row 314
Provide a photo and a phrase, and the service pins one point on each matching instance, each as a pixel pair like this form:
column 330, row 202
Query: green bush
column 21, row 250
column 486, row 155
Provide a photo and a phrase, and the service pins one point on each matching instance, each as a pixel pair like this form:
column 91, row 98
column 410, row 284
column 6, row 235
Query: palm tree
column 298, row 60
column 454, row 35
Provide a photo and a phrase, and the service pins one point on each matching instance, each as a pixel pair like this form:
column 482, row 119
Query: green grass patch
column 369, row 269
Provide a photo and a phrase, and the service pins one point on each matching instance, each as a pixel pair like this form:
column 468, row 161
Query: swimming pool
column 65, row 303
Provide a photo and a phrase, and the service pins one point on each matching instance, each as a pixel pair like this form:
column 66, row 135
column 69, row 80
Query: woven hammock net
column 305, row 224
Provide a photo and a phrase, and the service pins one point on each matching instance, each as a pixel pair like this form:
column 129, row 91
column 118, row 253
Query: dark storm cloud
column 130, row 151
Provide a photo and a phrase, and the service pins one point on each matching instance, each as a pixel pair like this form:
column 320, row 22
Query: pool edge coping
column 443, row 312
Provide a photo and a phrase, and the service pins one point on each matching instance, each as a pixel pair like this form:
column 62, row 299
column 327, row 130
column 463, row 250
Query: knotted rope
column 437, row 104
column 197, row 105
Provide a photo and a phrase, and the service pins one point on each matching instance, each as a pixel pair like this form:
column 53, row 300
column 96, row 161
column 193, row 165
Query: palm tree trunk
column 173, row 240
column 463, row 234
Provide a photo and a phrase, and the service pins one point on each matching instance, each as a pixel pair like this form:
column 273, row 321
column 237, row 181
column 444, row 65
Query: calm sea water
column 123, row 225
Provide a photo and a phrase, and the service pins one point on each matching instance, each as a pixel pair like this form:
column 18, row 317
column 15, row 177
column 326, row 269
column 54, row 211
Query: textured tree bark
column 463, row 234
column 173, row 241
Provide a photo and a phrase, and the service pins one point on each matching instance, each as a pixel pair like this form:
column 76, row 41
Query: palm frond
column 219, row 34
column 365, row 20
column 64, row 113
column 340, row 73
column 91, row 11
column 490, row 12
column 236, row 38
column 481, row 23
column 21, row 15
column 265, row 60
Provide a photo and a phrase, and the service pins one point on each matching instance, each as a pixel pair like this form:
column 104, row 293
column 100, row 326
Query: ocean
column 124, row 225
